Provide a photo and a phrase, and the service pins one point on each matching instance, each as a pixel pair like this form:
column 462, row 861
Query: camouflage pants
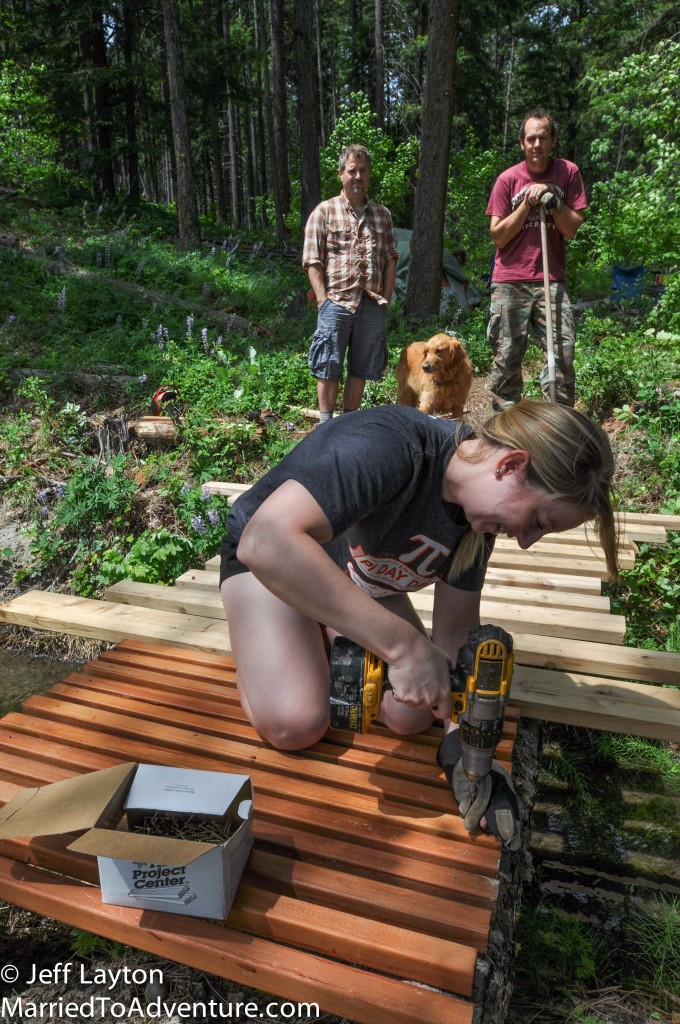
column 514, row 308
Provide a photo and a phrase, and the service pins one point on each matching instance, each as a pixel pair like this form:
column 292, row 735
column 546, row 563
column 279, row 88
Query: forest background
column 158, row 160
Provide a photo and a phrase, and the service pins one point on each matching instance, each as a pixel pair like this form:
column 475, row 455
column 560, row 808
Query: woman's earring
column 498, row 472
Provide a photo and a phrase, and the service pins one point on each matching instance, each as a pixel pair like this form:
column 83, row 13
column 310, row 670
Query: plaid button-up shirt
column 352, row 250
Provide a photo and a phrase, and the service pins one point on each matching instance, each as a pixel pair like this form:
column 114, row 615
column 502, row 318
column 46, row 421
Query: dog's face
column 441, row 352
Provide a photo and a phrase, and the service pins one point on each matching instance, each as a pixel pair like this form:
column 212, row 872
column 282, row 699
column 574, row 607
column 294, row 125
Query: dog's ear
column 457, row 351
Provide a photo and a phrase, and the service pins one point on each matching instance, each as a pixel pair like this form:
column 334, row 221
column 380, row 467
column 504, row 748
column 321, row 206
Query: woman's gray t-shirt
column 378, row 474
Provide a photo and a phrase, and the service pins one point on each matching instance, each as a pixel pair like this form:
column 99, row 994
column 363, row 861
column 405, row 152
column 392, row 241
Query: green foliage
column 472, row 174
column 561, row 763
column 29, row 129
column 391, row 166
column 649, row 596
column 616, row 365
column 635, row 204
column 556, row 951
column 634, row 754
column 655, row 946
column 99, row 525
column 85, row 944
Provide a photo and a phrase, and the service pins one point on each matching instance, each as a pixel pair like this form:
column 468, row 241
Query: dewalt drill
column 480, row 689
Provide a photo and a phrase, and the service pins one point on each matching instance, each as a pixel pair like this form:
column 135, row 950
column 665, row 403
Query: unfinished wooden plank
column 270, row 967
column 650, row 518
column 382, row 947
column 204, row 581
column 388, row 903
column 225, row 489
column 68, row 614
column 589, row 625
column 553, row 563
column 563, row 544
column 99, row 620
column 630, row 663
column 523, row 577
column 575, row 699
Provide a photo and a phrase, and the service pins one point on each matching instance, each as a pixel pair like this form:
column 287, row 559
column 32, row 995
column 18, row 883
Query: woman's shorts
column 229, row 563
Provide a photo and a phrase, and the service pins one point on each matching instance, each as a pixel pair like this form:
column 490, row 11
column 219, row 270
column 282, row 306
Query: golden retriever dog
column 435, row 376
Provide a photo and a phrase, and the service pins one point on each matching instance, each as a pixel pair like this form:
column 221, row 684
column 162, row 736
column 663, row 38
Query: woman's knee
column 403, row 719
column 291, row 728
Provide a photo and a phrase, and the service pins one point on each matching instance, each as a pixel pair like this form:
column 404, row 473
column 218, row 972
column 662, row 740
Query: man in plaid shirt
column 350, row 254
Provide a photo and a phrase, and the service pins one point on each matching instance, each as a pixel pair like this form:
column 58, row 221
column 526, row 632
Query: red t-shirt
column 520, row 259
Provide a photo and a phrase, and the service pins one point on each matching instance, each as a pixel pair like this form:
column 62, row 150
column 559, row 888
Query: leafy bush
column 634, row 110
column 390, row 167
column 29, row 128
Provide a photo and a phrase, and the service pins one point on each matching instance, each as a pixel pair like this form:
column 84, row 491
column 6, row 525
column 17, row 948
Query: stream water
column 24, row 674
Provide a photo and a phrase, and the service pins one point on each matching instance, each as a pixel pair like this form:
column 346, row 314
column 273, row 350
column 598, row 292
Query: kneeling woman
column 371, row 507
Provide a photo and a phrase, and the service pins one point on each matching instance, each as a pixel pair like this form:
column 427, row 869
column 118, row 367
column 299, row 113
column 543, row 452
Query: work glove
column 493, row 798
column 550, row 198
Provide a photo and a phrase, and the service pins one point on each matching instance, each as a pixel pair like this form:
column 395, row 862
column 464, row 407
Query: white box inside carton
column 139, row 870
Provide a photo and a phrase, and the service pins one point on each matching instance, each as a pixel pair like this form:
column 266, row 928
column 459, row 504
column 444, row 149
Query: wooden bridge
column 363, row 893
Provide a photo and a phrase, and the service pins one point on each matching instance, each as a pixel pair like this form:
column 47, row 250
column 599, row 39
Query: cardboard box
column 147, row 871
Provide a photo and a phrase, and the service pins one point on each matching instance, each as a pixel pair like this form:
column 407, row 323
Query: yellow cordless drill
column 480, row 689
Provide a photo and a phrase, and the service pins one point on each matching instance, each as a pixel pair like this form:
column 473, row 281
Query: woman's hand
column 421, row 677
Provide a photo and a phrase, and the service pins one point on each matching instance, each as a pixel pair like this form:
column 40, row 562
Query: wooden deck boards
column 576, row 623
column 360, row 859
column 364, row 893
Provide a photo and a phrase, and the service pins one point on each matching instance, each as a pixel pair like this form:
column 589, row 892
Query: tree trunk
column 232, row 127
column 251, row 156
column 379, row 82
column 261, row 75
column 319, row 71
column 90, row 136
column 189, row 233
column 508, row 94
column 279, row 139
column 130, row 92
column 102, row 105
column 423, row 293
column 211, row 109
column 252, row 152
column 307, row 108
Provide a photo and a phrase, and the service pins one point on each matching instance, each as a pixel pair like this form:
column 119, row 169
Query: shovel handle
column 552, row 380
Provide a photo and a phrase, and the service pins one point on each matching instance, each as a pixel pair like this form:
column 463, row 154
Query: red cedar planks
column 359, row 853
column 270, row 967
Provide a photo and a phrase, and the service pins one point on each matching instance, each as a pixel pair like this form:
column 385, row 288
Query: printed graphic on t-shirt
column 412, row 570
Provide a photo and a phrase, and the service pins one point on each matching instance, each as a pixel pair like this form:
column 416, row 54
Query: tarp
column 456, row 286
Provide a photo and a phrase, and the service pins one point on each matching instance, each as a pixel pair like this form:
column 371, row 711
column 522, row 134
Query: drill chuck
column 481, row 681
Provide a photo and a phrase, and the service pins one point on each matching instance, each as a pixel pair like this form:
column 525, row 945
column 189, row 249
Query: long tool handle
column 552, row 380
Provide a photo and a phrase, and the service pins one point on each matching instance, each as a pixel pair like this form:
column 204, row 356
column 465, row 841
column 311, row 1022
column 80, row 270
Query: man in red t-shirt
column 517, row 294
